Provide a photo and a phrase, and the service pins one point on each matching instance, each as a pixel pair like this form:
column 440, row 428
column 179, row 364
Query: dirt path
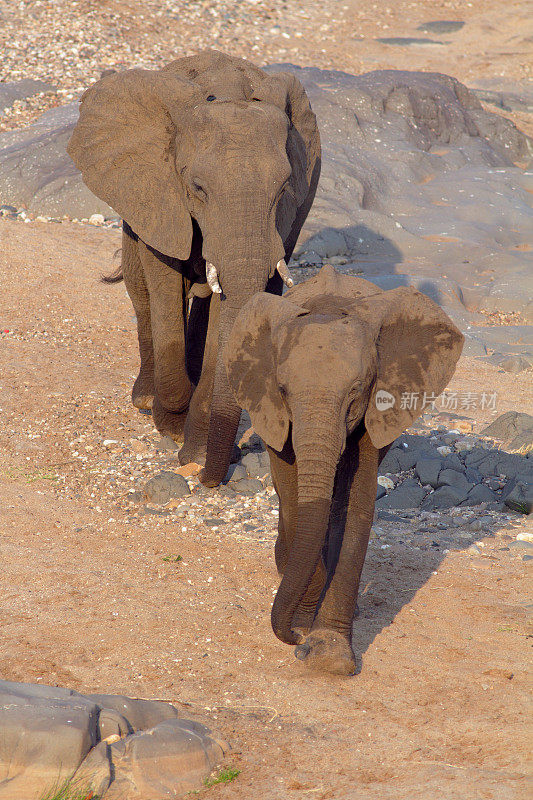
column 440, row 705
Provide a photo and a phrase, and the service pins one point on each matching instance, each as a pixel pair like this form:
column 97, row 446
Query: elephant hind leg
column 142, row 394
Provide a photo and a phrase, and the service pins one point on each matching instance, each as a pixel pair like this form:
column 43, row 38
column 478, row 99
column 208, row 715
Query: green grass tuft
column 70, row 789
column 224, row 776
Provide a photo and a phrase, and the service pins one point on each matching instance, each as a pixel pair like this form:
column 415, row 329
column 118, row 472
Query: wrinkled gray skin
column 207, row 160
column 309, row 368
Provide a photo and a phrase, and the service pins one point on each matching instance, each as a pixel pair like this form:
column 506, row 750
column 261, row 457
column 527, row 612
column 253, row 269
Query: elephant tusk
column 212, row 278
column 284, row 271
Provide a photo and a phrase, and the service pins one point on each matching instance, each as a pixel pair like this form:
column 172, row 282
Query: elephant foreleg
column 285, row 479
column 167, row 293
column 142, row 394
column 328, row 646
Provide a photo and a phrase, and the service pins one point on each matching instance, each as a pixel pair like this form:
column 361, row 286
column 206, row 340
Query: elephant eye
column 211, row 98
column 198, row 191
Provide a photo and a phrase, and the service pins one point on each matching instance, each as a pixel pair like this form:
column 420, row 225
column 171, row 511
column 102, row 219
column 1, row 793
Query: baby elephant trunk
column 317, row 448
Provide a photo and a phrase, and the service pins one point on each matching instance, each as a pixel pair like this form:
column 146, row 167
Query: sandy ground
column 439, row 707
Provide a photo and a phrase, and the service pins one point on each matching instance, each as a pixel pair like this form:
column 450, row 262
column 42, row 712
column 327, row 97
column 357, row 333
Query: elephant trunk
column 225, row 411
column 317, row 447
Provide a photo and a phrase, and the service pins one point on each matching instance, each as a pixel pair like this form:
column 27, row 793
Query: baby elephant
column 322, row 372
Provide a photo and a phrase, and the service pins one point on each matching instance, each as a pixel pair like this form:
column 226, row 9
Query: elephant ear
column 250, row 364
column 303, row 142
column 124, row 145
column 418, row 347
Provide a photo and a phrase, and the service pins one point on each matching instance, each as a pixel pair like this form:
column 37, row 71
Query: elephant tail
column 117, row 275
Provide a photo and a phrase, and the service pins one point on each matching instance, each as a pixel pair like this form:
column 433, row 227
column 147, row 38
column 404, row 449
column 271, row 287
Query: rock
column 474, row 550
column 402, row 497
column 388, row 517
column 450, row 477
column 510, row 426
column 441, row 26
column 389, row 463
column 140, row 714
column 385, row 481
column 256, row 464
column 445, row 497
column 428, row 470
column 95, row 771
column 96, row 219
column 226, row 491
column 10, row 91
column 168, row 760
column 165, row 486
column 521, row 546
column 444, row 450
column 380, row 492
column 407, row 41
column 111, row 723
column 479, row 494
column 525, row 537
column 520, row 498
column 452, row 461
column 473, row 475
column 36, row 173
column 46, row 734
column 236, row 472
column 407, row 457
column 515, row 364
column 248, row 486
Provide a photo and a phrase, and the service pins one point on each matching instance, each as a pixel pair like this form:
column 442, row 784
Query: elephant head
column 209, row 146
column 316, row 364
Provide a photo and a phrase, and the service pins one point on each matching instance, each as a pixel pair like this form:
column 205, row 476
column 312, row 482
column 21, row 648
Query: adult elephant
column 213, row 165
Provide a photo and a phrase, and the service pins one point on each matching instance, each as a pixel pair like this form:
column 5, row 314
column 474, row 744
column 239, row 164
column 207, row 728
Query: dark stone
column 473, row 475
column 520, row 498
column 248, row 486
column 389, row 463
column 256, row 464
column 449, row 477
column 236, row 472
column 407, row 457
column 381, row 492
column 441, row 26
column 479, row 494
column 452, row 461
column 165, row 486
column 507, row 426
column 388, row 517
column 445, row 497
column 226, row 491
column 406, row 41
column 402, row 497
column 428, row 470
column 516, row 364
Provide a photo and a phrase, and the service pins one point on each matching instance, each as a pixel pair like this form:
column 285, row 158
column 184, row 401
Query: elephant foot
column 169, row 423
column 142, row 394
column 188, row 454
column 327, row 651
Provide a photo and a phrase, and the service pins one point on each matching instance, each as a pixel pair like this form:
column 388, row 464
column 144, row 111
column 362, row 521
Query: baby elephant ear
column 124, row 145
column 250, row 362
column 418, row 348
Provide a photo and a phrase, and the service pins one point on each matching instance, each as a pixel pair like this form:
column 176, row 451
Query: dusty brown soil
column 439, row 708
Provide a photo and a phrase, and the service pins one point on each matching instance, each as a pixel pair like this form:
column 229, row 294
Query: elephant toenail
column 302, row 651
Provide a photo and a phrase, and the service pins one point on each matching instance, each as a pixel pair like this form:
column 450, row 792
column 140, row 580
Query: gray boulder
column 479, row 494
column 404, row 496
column 166, row 761
column 520, row 498
column 445, row 497
column 10, row 91
column 428, row 470
column 46, row 734
column 450, row 477
column 165, row 486
column 514, row 429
